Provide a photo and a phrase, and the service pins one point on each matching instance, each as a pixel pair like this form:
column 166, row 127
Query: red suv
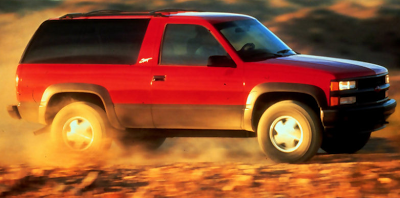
column 174, row 73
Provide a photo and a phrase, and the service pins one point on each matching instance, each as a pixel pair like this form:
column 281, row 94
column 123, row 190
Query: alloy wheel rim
column 78, row 133
column 286, row 134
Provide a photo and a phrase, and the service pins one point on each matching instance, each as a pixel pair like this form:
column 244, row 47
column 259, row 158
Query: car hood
column 340, row 68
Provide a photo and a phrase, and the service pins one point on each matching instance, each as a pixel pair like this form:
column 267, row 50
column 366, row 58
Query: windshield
column 252, row 40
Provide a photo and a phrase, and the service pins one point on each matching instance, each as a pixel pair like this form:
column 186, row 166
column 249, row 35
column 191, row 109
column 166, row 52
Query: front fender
column 314, row 91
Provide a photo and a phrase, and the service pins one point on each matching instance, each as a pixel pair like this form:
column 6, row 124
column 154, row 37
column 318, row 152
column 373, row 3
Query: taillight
column 16, row 81
column 16, row 86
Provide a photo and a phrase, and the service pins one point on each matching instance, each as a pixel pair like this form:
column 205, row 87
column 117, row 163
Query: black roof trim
column 172, row 10
column 160, row 12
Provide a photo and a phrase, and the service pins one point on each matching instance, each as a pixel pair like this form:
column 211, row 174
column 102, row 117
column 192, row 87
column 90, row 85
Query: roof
column 155, row 13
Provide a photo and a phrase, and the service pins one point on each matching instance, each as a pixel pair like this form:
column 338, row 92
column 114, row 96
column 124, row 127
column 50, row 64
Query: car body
column 176, row 70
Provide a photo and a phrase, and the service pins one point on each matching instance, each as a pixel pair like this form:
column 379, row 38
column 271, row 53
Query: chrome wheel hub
column 78, row 133
column 286, row 134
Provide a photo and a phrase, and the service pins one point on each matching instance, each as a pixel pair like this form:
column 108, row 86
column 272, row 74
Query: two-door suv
column 177, row 73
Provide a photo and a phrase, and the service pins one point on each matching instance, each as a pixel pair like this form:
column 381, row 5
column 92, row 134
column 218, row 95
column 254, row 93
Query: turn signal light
column 334, row 101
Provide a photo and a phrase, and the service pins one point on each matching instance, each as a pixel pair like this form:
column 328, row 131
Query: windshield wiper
column 260, row 57
column 283, row 51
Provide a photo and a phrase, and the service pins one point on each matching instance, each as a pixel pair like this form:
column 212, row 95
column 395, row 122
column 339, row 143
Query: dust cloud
column 39, row 150
column 201, row 150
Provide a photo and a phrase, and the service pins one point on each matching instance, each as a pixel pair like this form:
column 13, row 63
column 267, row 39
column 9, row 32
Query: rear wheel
column 81, row 127
column 337, row 144
column 289, row 132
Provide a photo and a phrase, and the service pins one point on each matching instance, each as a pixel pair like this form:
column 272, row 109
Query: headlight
column 343, row 85
column 387, row 79
column 347, row 100
column 343, row 100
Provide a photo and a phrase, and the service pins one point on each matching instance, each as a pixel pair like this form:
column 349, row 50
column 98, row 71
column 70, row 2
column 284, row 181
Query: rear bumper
column 358, row 119
column 13, row 111
column 25, row 110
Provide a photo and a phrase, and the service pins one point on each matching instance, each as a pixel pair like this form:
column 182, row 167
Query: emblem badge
column 145, row 60
column 377, row 89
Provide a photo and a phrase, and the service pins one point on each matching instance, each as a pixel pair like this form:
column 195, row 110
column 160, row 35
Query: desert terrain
column 209, row 167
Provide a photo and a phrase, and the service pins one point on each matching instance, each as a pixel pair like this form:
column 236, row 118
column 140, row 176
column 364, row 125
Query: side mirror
column 221, row 61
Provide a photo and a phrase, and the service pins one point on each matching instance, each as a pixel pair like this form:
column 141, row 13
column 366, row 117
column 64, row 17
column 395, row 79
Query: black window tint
column 95, row 41
column 244, row 32
column 185, row 44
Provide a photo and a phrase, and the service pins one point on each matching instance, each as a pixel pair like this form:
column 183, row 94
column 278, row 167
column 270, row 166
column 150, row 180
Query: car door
column 188, row 94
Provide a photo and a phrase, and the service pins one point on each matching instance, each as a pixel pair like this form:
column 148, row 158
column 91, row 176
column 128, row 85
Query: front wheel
column 337, row 144
column 289, row 132
column 81, row 127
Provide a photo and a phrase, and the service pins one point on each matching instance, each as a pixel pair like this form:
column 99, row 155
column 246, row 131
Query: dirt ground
column 207, row 170
column 369, row 174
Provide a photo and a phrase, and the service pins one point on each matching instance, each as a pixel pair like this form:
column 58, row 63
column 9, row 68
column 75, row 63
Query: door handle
column 159, row 78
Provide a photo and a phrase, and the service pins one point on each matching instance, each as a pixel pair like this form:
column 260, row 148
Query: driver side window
column 185, row 44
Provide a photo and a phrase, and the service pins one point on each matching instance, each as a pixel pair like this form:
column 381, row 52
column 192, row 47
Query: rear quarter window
column 92, row 41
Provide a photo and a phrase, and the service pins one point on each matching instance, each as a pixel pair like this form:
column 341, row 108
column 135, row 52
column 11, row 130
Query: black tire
column 81, row 127
column 300, row 136
column 344, row 143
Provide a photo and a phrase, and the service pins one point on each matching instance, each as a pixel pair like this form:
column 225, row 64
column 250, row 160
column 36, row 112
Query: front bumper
column 13, row 111
column 358, row 119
